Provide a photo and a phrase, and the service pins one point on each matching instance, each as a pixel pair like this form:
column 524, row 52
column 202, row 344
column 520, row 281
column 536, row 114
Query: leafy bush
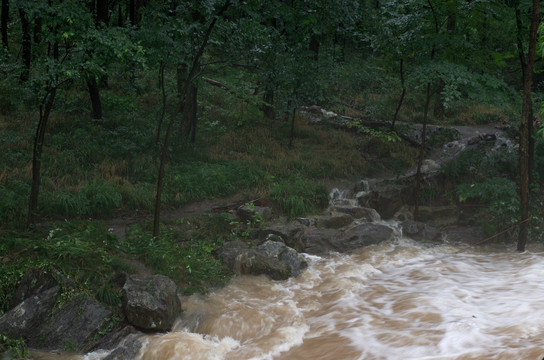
column 501, row 199
column 298, row 197
column 188, row 260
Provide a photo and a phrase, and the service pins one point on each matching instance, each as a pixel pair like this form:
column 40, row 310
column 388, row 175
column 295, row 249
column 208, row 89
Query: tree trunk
column 96, row 103
column 163, row 98
column 45, row 110
column 27, row 45
column 421, row 152
column 4, row 20
column 291, row 138
column 401, row 99
column 164, row 150
column 268, row 107
column 524, row 126
column 314, row 46
column 190, row 112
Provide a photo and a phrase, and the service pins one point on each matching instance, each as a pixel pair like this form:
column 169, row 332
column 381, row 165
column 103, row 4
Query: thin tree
column 4, row 23
column 523, row 128
column 46, row 105
column 179, row 108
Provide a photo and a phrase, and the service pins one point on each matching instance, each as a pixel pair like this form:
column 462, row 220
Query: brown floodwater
column 399, row 300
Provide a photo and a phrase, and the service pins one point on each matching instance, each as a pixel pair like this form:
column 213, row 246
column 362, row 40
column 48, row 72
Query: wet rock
column 118, row 337
column 75, row 325
column 25, row 320
column 358, row 212
column 324, row 241
column 251, row 213
column 334, row 221
column 386, row 199
column 271, row 258
column 291, row 234
column 254, row 263
column 34, row 282
column 151, row 302
column 295, row 261
column 420, row 231
column 229, row 252
column 127, row 351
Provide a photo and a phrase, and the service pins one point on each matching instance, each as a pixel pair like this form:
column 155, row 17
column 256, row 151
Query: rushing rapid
column 400, row 300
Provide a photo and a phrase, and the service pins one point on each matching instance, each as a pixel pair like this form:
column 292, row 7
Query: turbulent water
column 400, row 300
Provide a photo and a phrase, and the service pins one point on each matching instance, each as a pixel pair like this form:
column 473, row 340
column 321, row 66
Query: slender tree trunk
column 45, row 111
column 27, row 45
column 190, row 111
column 268, row 106
column 523, row 129
column 164, row 150
column 401, row 99
column 314, row 46
column 421, row 152
column 291, row 138
column 4, row 20
column 94, row 94
column 163, row 98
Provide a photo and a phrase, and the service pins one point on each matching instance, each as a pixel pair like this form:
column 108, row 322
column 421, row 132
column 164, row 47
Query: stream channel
column 397, row 300
column 400, row 299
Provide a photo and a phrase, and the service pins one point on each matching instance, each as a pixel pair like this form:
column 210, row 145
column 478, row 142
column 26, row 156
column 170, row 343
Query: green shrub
column 500, row 197
column 299, row 197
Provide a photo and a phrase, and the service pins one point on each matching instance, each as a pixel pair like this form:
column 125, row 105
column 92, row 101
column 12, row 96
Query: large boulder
column 271, row 258
column 35, row 282
column 334, row 221
column 420, row 231
column 290, row 233
column 25, row 320
column 387, row 199
column 358, row 212
column 75, row 325
column 325, row 241
column 151, row 302
column 126, row 351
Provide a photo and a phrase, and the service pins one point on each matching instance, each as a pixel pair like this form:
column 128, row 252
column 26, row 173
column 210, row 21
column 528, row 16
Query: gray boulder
column 358, row 212
column 26, row 319
column 151, row 302
column 325, row 241
column 126, row 351
column 387, row 199
column 290, row 233
column 271, row 258
column 420, row 231
column 75, row 325
column 34, row 282
column 334, row 221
